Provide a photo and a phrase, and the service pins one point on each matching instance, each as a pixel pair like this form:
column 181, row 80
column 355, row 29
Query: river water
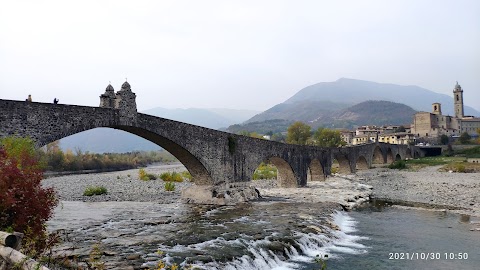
column 272, row 234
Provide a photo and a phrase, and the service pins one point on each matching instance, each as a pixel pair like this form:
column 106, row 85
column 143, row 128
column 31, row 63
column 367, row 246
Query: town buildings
column 428, row 126
column 431, row 125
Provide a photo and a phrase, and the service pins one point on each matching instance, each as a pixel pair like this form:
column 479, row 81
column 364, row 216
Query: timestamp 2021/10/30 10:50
column 428, row 256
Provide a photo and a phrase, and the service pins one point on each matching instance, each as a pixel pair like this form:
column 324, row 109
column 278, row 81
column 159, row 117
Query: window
column 457, row 97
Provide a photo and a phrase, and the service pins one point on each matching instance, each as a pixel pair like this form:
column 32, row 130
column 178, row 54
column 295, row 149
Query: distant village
column 427, row 127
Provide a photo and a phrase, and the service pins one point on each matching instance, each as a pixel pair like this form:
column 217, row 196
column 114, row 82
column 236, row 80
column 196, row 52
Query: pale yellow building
column 392, row 138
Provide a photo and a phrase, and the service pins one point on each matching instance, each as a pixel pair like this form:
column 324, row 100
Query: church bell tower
column 458, row 101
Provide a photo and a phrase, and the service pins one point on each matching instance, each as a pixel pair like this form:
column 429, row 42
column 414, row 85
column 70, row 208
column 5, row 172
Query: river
column 272, row 234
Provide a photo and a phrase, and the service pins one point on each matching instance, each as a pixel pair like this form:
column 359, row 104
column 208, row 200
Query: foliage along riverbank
column 56, row 160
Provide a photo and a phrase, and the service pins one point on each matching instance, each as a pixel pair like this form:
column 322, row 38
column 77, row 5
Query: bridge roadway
column 212, row 157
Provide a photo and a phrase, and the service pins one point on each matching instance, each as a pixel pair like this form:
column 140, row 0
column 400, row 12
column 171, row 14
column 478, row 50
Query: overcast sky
column 233, row 54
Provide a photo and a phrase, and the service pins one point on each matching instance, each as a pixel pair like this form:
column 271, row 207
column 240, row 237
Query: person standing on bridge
column 29, row 99
column 55, row 101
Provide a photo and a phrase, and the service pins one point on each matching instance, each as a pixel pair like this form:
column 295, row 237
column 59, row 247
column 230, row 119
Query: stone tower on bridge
column 123, row 100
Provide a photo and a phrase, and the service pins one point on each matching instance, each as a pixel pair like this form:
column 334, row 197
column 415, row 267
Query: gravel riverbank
column 120, row 185
column 126, row 186
column 427, row 186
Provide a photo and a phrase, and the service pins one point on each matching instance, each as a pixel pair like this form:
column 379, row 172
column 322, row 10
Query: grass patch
column 143, row 175
column 461, row 167
column 95, row 190
column 473, row 152
column 434, row 161
column 398, row 165
column 169, row 186
column 455, row 164
column 265, row 171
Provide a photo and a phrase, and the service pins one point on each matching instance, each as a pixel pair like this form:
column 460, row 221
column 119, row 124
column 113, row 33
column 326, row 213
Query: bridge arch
column 285, row 175
column 398, row 157
column 200, row 175
column 315, row 171
column 362, row 163
column 377, row 157
column 390, row 157
column 343, row 163
column 408, row 154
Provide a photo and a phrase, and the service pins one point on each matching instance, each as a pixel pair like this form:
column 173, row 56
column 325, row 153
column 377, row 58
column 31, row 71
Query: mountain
column 370, row 112
column 101, row 140
column 299, row 110
column 321, row 104
column 211, row 118
column 262, row 127
column 351, row 91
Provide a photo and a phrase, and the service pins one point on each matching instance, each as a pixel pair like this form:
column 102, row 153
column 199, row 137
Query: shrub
column 142, row 174
column 460, row 168
column 186, row 175
column 94, row 190
column 171, row 177
column 399, row 165
column 169, row 186
column 25, row 205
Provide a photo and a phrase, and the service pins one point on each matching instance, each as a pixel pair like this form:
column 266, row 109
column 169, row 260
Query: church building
column 434, row 124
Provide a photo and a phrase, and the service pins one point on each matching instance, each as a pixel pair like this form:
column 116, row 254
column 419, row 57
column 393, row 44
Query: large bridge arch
column 195, row 167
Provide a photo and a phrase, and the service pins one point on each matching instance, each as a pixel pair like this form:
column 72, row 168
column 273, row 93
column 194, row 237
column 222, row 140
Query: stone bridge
column 212, row 157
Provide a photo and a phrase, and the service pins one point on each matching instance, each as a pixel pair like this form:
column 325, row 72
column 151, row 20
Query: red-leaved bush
column 25, row 205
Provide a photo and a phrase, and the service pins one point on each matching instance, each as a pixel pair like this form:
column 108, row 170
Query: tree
column 298, row 133
column 444, row 139
column 278, row 137
column 464, row 138
column 25, row 205
column 325, row 137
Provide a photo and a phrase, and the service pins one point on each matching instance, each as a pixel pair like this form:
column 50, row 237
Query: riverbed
column 279, row 231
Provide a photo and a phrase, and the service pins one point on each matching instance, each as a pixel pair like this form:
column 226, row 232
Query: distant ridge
column 372, row 112
column 321, row 104
column 352, row 91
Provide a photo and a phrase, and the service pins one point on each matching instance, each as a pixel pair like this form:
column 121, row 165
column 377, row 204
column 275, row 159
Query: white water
column 310, row 245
